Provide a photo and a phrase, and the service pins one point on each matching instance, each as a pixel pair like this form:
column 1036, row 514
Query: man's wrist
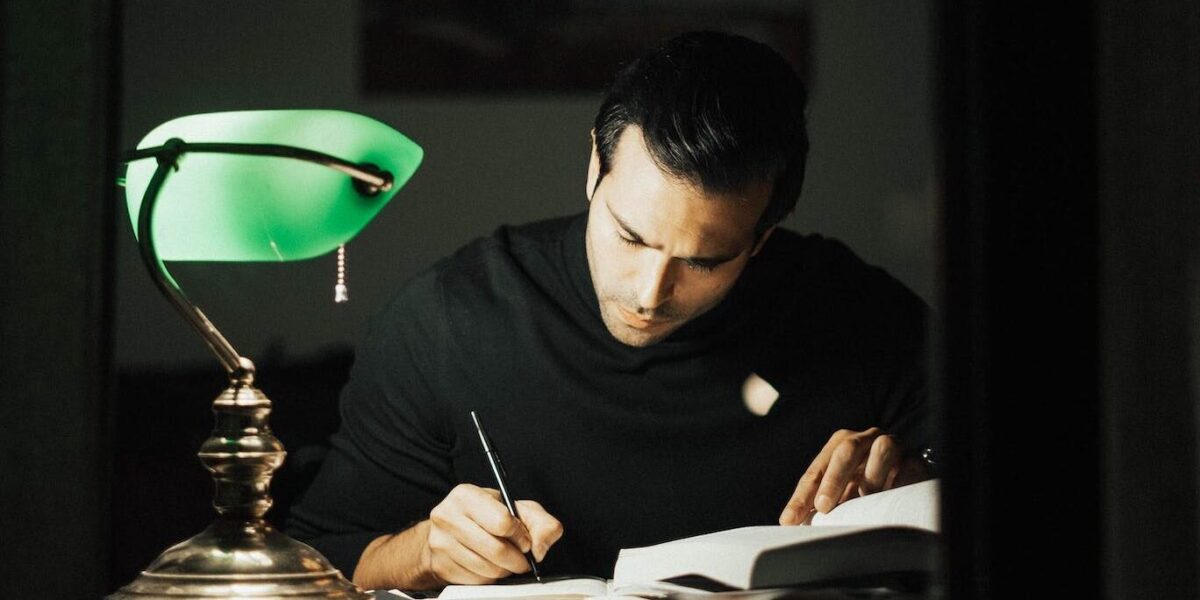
column 426, row 574
column 400, row 560
column 929, row 457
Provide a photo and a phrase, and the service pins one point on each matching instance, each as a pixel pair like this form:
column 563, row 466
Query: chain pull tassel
column 341, row 293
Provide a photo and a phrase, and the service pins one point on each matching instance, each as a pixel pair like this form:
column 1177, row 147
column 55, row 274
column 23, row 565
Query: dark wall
column 1071, row 260
column 1021, row 302
column 56, row 200
column 1148, row 83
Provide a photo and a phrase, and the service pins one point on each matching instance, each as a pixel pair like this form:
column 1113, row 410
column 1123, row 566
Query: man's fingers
column 799, row 507
column 882, row 462
column 851, row 463
column 486, row 508
column 502, row 552
column 455, row 561
column 449, row 571
column 851, row 490
column 475, row 528
column 843, row 464
column 544, row 530
column 473, row 567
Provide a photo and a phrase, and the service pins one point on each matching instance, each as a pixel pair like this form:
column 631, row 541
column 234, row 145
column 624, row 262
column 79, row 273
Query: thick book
column 867, row 539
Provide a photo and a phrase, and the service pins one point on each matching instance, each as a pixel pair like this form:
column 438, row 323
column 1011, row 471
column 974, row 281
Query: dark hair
column 719, row 110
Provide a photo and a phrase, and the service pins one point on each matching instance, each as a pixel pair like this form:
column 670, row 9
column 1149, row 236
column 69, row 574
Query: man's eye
column 700, row 267
column 627, row 241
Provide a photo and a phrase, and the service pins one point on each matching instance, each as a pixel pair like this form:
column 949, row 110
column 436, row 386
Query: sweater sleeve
column 390, row 459
column 896, row 332
column 887, row 325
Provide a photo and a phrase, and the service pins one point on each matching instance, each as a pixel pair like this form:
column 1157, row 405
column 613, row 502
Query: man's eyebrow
column 625, row 226
column 704, row 261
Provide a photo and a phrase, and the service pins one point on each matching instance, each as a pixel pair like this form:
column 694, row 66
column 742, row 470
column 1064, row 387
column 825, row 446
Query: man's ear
column 593, row 173
column 762, row 239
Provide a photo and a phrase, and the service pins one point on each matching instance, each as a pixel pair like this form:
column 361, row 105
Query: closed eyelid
column 629, row 240
column 625, row 231
column 630, row 236
column 704, row 264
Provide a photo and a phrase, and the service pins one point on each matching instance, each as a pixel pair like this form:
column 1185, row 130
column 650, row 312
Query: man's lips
column 637, row 321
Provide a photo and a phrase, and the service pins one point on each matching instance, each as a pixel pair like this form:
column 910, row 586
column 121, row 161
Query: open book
column 884, row 533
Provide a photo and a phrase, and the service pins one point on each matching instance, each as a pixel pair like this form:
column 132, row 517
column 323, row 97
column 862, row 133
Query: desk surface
column 771, row 594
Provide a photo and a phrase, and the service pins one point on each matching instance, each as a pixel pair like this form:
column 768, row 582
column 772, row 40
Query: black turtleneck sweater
column 626, row 446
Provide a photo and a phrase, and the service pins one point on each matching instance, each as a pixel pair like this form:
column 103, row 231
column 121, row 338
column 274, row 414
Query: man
column 668, row 363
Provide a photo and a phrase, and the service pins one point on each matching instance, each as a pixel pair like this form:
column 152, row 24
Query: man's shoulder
column 489, row 264
column 509, row 247
column 814, row 256
column 816, row 262
column 536, row 235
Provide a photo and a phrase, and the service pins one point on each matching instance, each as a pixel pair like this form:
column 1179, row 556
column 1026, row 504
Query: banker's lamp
column 251, row 186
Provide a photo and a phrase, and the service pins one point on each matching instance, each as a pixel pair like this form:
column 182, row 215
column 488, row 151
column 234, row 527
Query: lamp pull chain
column 340, row 292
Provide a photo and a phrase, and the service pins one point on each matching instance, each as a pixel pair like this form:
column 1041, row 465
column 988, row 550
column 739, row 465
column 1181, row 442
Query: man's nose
column 658, row 281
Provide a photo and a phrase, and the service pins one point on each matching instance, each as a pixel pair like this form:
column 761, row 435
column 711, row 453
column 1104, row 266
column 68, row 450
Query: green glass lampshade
column 238, row 208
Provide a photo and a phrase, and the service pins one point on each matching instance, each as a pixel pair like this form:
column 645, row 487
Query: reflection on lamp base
column 234, row 559
column 240, row 555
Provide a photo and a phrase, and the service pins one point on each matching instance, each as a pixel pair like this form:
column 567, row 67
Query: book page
column 727, row 556
column 573, row 587
column 914, row 505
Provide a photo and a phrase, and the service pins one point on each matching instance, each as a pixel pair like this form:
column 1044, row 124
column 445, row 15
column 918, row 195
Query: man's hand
column 852, row 463
column 473, row 539
column 469, row 538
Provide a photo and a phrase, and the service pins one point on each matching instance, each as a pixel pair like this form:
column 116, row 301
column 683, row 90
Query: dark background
column 1032, row 174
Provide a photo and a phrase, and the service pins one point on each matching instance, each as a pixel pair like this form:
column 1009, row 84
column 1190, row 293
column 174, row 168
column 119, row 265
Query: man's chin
column 636, row 339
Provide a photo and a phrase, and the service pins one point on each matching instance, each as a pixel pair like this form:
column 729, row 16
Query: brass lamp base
column 240, row 560
column 240, row 555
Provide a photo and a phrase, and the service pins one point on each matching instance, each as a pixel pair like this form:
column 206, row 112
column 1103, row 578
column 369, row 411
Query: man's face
column 662, row 251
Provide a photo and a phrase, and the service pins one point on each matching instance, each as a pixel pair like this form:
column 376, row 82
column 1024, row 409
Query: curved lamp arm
column 368, row 180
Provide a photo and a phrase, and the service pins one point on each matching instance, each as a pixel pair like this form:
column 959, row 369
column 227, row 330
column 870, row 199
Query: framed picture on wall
column 539, row 46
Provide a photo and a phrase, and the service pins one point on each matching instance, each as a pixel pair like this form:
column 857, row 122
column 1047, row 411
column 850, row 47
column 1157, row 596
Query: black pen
column 502, row 481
